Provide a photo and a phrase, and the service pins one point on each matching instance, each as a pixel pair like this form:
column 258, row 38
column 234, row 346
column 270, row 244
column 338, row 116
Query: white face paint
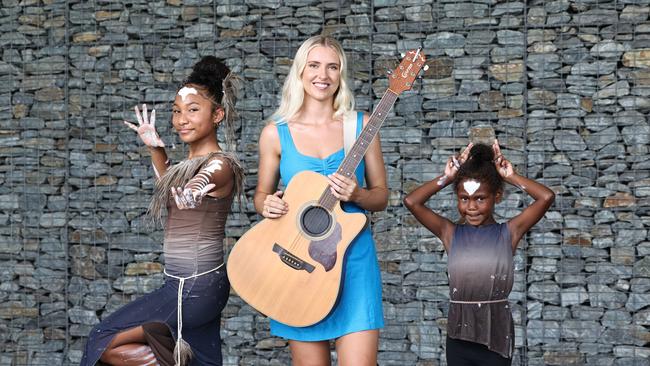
column 185, row 91
column 471, row 186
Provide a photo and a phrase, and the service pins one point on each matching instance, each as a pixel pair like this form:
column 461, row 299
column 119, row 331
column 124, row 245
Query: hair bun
column 209, row 72
column 210, row 65
column 480, row 166
column 481, row 153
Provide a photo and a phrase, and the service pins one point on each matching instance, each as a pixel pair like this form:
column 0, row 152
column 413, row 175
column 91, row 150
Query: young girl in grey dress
column 480, row 267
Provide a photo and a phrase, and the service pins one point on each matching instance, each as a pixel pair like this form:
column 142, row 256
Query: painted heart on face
column 471, row 186
column 185, row 91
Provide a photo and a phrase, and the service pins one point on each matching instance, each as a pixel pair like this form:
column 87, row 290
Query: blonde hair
column 293, row 92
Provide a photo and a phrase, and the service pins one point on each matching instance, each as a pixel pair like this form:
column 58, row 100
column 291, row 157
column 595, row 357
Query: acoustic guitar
column 290, row 268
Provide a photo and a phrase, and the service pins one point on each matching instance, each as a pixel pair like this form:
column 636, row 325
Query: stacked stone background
column 564, row 85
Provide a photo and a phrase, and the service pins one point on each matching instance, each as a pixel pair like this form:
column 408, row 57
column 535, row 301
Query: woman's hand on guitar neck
column 345, row 189
column 274, row 206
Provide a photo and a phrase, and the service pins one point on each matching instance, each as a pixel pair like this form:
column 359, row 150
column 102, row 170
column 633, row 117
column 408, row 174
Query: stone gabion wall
column 563, row 84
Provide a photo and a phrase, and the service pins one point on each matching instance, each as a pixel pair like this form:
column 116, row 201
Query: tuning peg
column 402, row 54
column 388, row 72
column 425, row 68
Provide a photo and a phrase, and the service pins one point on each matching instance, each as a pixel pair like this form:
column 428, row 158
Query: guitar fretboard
column 358, row 150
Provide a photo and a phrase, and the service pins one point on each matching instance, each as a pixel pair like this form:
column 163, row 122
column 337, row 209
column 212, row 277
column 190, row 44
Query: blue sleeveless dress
column 359, row 304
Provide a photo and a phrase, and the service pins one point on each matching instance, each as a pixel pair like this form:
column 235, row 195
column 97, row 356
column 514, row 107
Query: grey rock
column 630, row 237
column 607, row 49
column 545, row 291
column 473, row 87
column 639, row 134
column 634, row 102
column 439, row 88
column 593, row 68
column 544, row 61
column 634, row 14
column 584, row 330
column 508, row 8
column 200, row 31
column 568, row 141
column 464, row 9
column 601, row 16
column 617, row 89
column 444, row 40
column 509, row 37
column 642, row 268
column 556, row 6
column 616, row 318
column 598, row 140
column 542, row 332
column 483, row 37
column 81, row 316
column 573, row 296
column 420, row 13
column 604, row 296
column 358, row 24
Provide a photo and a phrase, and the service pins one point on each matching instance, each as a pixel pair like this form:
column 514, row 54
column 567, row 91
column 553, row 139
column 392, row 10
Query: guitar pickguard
column 324, row 251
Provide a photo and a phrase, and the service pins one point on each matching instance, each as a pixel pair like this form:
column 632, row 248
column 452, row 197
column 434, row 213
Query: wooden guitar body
column 291, row 267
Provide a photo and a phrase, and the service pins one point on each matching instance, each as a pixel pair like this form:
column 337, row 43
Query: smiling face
column 322, row 73
column 476, row 202
column 193, row 115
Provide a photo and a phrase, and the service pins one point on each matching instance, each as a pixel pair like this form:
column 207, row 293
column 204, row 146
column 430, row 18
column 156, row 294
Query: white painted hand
column 187, row 198
column 146, row 128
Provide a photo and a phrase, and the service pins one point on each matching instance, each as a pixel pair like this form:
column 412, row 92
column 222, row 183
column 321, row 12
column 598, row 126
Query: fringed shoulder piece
column 179, row 174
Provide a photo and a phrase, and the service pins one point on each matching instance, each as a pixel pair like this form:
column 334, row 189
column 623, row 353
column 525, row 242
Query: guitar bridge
column 291, row 260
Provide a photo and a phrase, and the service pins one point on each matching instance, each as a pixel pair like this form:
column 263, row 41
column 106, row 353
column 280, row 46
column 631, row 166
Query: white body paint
column 185, row 91
column 139, row 353
column 471, row 186
column 213, row 166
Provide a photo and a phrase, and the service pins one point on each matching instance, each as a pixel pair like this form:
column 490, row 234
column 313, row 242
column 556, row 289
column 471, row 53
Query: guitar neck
column 358, row 150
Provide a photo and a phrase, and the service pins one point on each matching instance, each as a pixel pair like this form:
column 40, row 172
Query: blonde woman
column 307, row 134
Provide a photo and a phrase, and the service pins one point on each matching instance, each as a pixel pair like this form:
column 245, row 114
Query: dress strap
column 286, row 140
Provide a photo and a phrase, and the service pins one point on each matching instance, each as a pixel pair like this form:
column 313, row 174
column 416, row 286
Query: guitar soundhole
column 316, row 221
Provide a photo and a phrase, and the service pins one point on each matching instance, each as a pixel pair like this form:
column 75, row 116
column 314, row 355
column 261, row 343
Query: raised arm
column 146, row 129
column 215, row 178
column 542, row 195
column 267, row 199
column 415, row 201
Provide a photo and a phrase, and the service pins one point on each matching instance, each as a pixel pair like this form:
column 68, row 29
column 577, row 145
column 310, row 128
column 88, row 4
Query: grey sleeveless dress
column 481, row 275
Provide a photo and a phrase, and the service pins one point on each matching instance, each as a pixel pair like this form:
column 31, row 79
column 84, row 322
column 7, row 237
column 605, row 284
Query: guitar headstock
column 402, row 78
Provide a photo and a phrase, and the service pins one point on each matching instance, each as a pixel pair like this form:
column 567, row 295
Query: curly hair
column 220, row 86
column 479, row 166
